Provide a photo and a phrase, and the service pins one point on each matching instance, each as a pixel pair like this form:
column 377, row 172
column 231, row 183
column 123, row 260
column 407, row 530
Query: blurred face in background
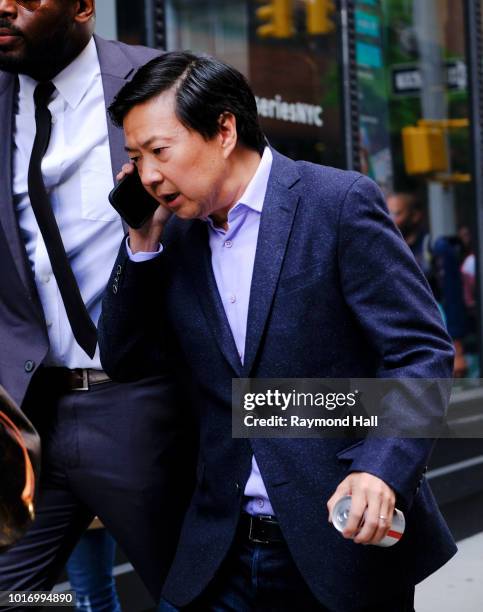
column 404, row 213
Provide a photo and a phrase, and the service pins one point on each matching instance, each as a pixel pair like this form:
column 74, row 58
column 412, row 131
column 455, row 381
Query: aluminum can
column 340, row 515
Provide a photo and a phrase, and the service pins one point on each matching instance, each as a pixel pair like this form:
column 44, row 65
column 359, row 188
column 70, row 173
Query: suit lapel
column 8, row 220
column 116, row 68
column 279, row 208
column 198, row 261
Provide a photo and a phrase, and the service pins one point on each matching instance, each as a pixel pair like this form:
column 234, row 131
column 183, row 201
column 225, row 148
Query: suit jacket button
column 237, row 487
column 29, row 365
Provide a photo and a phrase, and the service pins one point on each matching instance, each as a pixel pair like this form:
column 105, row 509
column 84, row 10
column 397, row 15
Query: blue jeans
column 264, row 578
column 90, row 572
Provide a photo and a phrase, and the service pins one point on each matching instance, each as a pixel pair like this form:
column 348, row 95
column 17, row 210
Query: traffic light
column 278, row 18
column 319, row 16
column 424, row 149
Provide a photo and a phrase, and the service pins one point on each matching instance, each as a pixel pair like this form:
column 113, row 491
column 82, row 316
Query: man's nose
column 150, row 175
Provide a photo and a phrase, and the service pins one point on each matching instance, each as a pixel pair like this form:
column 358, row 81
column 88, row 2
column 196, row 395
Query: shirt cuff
column 141, row 255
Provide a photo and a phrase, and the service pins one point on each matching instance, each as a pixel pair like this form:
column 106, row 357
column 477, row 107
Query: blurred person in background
column 440, row 263
column 106, row 447
column 89, row 569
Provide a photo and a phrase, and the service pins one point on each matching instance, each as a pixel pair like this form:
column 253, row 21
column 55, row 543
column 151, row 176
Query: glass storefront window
column 131, row 21
column 414, row 137
column 289, row 57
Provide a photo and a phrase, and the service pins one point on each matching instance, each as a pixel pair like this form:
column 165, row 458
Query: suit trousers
column 264, row 578
column 117, row 451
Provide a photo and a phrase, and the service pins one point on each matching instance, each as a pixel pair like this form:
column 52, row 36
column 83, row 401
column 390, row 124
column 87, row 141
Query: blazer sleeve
column 132, row 337
column 393, row 304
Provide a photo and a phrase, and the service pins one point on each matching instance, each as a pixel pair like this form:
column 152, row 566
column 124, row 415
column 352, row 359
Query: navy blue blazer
column 335, row 293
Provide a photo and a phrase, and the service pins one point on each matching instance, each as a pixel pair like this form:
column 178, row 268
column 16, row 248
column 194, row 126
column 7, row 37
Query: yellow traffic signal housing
column 424, row 149
column 319, row 16
column 278, row 17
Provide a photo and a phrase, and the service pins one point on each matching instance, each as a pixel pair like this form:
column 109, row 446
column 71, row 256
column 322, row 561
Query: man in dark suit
column 271, row 268
column 105, row 446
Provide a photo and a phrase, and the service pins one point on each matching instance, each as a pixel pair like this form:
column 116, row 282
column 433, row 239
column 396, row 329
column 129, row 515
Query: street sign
column 407, row 80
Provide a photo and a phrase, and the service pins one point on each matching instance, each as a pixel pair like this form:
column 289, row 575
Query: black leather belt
column 260, row 529
column 79, row 379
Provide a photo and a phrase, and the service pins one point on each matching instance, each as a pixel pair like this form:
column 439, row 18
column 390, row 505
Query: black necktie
column 82, row 326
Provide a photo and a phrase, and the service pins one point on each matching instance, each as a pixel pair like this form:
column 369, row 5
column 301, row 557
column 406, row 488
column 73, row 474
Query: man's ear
column 86, row 10
column 227, row 132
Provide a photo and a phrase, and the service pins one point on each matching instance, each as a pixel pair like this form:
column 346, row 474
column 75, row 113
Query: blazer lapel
column 8, row 220
column 116, row 68
column 198, row 261
column 278, row 213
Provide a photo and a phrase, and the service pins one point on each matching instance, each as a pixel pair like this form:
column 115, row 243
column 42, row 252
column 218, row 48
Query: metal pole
column 434, row 106
column 350, row 97
column 155, row 24
column 474, row 54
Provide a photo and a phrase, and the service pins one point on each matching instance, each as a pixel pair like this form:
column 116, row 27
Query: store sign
column 367, row 24
column 408, row 79
column 294, row 112
column 368, row 56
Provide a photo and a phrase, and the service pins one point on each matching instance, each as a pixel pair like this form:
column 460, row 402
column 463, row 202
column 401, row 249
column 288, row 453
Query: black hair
column 205, row 88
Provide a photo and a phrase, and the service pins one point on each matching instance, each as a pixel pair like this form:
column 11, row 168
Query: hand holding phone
column 131, row 200
column 143, row 213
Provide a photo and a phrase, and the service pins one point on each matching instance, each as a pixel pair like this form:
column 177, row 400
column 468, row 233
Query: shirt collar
column 67, row 82
column 254, row 194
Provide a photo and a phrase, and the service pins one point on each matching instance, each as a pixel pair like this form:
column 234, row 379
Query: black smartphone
column 132, row 201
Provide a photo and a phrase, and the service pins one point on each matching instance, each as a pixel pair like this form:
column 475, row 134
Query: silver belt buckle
column 85, row 381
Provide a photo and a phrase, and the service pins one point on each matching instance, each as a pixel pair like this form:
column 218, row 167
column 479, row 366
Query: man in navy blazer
column 271, row 268
column 105, row 446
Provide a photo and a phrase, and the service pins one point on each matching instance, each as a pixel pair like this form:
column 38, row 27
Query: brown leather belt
column 79, row 379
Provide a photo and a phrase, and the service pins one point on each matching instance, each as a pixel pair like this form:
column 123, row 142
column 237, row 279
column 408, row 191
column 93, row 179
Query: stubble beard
column 40, row 60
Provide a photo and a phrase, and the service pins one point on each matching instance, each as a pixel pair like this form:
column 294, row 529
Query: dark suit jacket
column 24, row 344
column 335, row 293
column 23, row 334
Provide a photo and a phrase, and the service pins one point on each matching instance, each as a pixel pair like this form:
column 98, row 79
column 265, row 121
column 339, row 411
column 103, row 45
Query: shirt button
column 260, row 503
column 49, row 324
column 232, row 299
column 46, row 278
column 29, row 365
column 228, row 244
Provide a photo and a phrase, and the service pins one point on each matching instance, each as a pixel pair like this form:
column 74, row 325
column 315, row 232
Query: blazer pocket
column 301, row 280
column 350, row 452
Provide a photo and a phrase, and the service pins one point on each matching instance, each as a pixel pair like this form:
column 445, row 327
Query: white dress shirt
column 78, row 177
column 232, row 260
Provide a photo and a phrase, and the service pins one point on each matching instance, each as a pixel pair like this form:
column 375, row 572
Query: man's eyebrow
column 148, row 142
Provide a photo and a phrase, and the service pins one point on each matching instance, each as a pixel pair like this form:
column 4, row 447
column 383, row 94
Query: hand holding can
column 340, row 515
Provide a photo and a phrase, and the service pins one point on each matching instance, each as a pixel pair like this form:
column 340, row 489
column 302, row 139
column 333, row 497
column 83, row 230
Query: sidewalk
column 458, row 585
